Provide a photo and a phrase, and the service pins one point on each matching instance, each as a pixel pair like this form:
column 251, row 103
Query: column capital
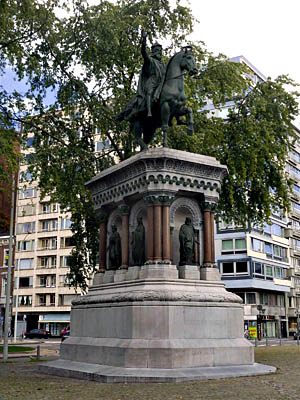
column 159, row 199
column 124, row 208
column 102, row 215
column 208, row 206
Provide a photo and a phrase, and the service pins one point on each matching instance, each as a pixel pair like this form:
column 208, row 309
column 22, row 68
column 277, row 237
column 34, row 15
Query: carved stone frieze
column 159, row 295
column 158, row 170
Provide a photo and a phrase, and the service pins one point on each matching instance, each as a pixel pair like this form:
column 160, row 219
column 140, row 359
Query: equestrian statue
column 160, row 94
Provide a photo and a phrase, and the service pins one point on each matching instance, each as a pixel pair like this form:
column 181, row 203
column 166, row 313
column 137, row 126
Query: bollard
column 267, row 342
column 280, row 341
column 255, row 342
column 38, row 352
column 297, row 340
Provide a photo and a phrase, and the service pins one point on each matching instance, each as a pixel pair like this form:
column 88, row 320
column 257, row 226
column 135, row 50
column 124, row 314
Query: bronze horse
column 171, row 103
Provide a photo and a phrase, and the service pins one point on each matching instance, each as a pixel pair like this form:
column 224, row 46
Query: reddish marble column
column 207, row 236
column 196, row 248
column 150, row 233
column 157, row 229
column 212, row 230
column 102, row 245
column 166, row 237
column 125, row 237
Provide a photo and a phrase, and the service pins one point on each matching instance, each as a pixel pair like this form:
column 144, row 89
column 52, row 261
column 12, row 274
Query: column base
column 189, row 272
column 209, row 272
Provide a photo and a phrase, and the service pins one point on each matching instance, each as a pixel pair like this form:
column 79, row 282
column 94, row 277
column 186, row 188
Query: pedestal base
column 155, row 329
column 105, row 374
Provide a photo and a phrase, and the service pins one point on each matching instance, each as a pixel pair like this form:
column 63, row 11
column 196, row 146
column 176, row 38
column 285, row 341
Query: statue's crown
column 156, row 44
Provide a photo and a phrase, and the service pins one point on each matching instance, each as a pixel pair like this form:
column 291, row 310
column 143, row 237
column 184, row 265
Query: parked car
column 65, row 336
column 37, row 333
column 297, row 335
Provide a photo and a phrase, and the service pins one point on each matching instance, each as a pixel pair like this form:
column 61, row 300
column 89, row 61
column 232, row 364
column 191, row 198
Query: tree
column 91, row 59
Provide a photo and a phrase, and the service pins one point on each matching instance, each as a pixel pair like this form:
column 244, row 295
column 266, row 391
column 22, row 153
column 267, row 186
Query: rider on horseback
column 150, row 83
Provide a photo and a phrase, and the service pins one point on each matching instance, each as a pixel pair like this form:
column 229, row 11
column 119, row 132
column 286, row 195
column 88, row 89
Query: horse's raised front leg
column 165, row 115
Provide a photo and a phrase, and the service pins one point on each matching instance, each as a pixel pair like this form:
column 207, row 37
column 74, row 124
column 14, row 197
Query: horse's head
column 188, row 61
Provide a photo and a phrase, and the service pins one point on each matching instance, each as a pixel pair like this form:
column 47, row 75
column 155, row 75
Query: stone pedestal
column 158, row 322
column 189, row 272
column 108, row 276
column 210, row 273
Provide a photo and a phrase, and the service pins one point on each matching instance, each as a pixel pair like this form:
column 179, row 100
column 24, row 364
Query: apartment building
column 262, row 264
column 42, row 297
column 293, row 168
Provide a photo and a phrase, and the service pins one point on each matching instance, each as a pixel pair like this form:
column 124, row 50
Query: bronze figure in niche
column 138, row 243
column 187, row 242
column 114, row 249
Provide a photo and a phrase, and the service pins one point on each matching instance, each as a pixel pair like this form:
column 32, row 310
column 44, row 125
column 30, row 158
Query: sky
column 265, row 32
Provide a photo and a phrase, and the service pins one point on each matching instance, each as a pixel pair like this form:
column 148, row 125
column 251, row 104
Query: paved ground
column 21, row 380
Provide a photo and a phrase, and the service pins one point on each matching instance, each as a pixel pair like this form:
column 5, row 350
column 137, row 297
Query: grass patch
column 17, row 349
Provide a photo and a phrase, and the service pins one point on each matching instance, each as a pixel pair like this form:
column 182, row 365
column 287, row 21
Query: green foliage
column 91, row 57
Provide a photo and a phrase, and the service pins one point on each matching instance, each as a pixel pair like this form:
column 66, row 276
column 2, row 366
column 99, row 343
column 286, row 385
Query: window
column 227, row 268
column 268, row 248
column 47, row 262
column 25, row 176
column 102, row 145
column 240, row 244
column 267, row 228
column 47, row 281
column 228, row 225
column 257, row 245
column 233, row 245
column 25, row 301
column 277, row 230
column 48, row 244
column 66, row 223
column 30, row 141
column 269, row 270
column 25, row 282
column 28, row 209
column 296, row 189
column 241, row 267
column 25, row 245
column 27, row 193
column 66, row 242
column 258, row 269
column 25, row 263
column 234, row 268
column 65, row 261
column 27, row 227
column 52, row 299
column 227, row 244
column 264, row 299
column 41, row 300
column 250, row 298
column 6, row 257
column 48, row 208
column 49, row 225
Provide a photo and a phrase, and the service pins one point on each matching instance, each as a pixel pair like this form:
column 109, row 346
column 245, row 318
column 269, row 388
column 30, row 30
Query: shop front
column 54, row 322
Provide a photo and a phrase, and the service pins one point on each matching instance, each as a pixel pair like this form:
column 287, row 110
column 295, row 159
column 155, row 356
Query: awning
column 54, row 317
